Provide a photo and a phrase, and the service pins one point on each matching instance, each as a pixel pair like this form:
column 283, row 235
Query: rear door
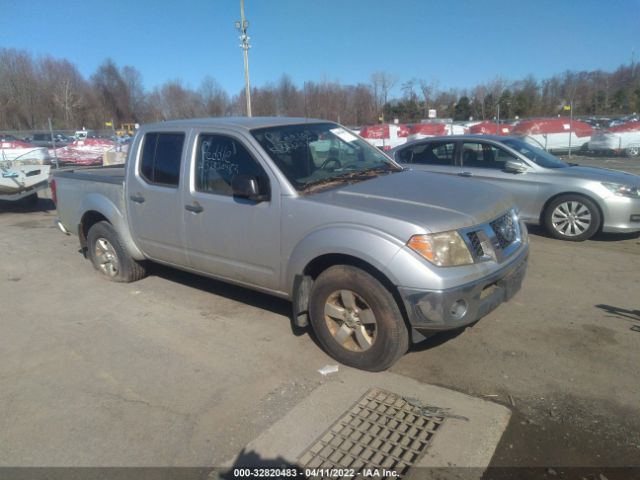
column 433, row 156
column 229, row 237
column 486, row 161
column 153, row 196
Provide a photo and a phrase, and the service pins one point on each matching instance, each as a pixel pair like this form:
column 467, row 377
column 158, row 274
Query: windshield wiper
column 354, row 176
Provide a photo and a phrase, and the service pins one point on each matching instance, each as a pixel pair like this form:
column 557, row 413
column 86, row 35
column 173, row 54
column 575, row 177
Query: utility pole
column 242, row 26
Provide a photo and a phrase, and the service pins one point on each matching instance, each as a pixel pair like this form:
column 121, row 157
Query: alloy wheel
column 350, row 320
column 571, row 218
column 106, row 257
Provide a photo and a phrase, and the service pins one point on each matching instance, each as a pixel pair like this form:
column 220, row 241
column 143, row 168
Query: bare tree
column 177, row 101
column 382, row 83
column 135, row 89
column 112, row 92
column 429, row 90
column 215, row 99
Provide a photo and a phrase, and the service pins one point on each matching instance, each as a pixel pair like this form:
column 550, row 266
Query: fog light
column 458, row 309
column 634, row 218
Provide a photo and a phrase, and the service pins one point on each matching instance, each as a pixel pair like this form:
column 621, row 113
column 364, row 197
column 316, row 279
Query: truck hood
column 432, row 201
column 601, row 175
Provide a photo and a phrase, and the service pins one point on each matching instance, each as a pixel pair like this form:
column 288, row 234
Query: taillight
column 54, row 193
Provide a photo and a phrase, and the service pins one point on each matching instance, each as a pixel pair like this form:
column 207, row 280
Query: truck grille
column 505, row 230
column 495, row 240
column 476, row 245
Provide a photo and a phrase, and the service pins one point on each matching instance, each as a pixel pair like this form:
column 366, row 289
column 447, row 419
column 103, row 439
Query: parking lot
column 182, row 370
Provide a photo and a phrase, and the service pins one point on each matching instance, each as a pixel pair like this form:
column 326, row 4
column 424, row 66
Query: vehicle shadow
column 22, row 206
column 621, row 313
column 436, row 340
column 540, row 231
column 247, row 461
column 232, row 292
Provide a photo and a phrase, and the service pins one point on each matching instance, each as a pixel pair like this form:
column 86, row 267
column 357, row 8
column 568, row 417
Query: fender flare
column 95, row 202
column 360, row 243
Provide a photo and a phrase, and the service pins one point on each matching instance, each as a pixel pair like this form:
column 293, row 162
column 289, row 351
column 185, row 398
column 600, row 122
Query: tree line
column 33, row 90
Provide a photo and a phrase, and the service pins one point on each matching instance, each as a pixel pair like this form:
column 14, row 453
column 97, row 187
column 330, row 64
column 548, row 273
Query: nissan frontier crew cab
column 369, row 254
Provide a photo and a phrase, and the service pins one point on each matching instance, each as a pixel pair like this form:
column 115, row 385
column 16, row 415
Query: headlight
column 623, row 190
column 445, row 249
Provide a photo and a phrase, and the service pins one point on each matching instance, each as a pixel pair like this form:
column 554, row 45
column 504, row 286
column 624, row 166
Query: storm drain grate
column 382, row 431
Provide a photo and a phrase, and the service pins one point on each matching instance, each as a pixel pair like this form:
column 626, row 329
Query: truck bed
column 110, row 174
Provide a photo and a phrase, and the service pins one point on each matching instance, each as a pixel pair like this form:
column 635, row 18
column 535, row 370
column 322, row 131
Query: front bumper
column 621, row 215
column 437, row 310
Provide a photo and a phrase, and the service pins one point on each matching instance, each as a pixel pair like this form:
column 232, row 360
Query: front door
column 486, row 162
column 230, row 237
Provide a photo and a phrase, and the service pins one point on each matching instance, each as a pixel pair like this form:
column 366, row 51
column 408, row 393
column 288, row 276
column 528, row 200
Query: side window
column 219, row 159
column 161, row 155
column 438, row 153
column 482, row 155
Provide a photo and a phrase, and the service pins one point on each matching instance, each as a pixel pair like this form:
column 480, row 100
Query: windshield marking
column 288, row 142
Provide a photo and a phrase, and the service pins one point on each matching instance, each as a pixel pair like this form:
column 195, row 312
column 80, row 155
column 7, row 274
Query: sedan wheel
column 572, row 217
column 633, row 151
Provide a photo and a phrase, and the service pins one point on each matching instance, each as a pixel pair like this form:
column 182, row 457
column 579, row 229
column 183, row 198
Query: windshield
column 535, row 154
column 322, row 154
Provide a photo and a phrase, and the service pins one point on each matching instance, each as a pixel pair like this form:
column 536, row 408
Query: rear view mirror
column 244, row 186
column 515, row 166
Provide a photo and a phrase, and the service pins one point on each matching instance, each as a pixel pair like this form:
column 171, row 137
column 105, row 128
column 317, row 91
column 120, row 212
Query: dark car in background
column 44, row 139
column 573, row 202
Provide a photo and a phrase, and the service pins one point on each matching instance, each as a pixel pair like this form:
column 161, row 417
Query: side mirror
column 244, row 186
column 515, row 166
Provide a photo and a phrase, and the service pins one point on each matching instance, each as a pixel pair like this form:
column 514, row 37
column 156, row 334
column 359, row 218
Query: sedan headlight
column 623, row 190
column 445, row 249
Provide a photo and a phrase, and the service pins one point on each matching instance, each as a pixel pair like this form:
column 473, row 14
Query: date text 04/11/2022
column 313, row 473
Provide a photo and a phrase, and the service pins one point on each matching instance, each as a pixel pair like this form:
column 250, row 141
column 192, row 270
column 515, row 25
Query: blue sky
column 458, row 43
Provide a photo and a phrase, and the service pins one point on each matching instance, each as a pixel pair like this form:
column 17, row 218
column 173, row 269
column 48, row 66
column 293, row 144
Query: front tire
column 109, row 257
column 356, row 319
column 633, row 151
column 572, row 217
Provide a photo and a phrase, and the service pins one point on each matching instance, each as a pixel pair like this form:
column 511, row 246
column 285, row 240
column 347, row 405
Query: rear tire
column 356, row 319
column 572, row 217
column 109, row 257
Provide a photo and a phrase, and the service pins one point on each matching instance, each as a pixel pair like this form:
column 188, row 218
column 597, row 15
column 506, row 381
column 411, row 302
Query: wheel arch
column 88, row 220
column 303, row 283
column 96, row 208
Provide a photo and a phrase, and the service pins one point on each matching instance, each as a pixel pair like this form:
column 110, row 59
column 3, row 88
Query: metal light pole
column 570, row 124
column 242, row 26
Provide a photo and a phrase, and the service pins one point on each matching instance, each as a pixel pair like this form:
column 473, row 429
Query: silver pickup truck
column 370, row 254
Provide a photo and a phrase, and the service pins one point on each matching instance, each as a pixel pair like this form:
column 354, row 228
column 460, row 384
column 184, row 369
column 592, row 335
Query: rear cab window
column 161, row 158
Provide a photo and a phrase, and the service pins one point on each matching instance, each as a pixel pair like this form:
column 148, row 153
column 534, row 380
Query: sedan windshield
column 535, row 154
column 318, row 155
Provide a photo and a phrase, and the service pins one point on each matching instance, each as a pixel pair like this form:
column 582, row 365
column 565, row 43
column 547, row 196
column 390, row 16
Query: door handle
column 465, row 174
column 195, row 208
column 137, row 198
